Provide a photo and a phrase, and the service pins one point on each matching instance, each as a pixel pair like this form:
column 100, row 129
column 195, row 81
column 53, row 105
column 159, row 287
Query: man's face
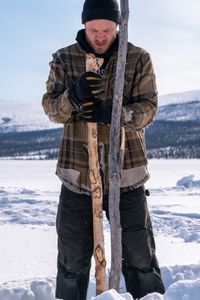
column 100, row 34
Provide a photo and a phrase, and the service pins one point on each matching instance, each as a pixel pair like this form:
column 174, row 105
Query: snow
column 188, row 182
column 30, row 115
column 187, row 96
column 29, row 193
column 113, row 295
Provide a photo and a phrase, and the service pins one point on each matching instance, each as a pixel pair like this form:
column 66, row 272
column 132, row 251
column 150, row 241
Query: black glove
column 87, row 86
column 95, row 110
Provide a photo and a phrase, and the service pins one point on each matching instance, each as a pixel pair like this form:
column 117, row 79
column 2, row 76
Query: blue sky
column 31, row 30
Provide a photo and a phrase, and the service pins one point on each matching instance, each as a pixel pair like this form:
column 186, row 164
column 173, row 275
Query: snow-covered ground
column 29, row 193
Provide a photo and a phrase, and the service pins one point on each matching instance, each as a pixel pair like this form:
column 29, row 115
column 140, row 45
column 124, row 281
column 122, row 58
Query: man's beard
column 101, row 47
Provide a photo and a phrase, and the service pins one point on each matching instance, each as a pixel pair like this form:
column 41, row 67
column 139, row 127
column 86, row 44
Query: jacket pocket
column 70, row 175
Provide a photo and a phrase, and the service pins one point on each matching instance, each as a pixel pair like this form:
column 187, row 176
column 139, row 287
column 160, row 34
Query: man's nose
column 100, row 35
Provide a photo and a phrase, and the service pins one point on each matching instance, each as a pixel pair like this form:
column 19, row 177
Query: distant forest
column 165, row 139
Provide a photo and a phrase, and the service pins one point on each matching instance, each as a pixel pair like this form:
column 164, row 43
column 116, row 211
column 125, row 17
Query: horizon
column 178, row 94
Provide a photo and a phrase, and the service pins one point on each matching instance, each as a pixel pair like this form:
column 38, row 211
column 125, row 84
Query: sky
column 31, row 30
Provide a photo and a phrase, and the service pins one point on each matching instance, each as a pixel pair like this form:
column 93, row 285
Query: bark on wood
column 116, row 153
column 93, row 64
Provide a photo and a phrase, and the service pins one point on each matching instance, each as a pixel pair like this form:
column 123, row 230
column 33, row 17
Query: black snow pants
column 75, row 245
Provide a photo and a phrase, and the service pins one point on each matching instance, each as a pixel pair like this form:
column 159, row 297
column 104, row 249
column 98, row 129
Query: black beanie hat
column 101, row 9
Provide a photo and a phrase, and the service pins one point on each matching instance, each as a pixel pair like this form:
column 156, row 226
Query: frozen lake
column 40, row 174
column 29, row 192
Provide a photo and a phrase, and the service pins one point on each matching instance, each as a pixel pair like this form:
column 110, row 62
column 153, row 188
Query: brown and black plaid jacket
column 139, row 109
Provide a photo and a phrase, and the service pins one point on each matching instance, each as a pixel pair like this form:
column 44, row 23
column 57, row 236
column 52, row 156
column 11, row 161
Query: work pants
column 75, row 245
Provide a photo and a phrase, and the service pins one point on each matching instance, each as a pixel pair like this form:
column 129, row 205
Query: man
column 75, row 97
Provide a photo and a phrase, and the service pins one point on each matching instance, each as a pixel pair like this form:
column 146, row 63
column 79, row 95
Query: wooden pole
column 93, row 64
column 116, row 153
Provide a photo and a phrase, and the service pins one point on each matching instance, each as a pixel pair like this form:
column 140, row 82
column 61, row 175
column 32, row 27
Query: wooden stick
column 116, row 154
column 93, row 64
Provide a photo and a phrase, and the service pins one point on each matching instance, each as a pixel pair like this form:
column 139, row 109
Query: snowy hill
column 16, row 116
column 25, row 131
column 189, row 111
column 180, row 107
column 188, row 96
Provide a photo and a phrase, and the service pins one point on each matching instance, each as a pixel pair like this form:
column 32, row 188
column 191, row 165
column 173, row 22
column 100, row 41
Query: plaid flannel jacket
column 138, row 111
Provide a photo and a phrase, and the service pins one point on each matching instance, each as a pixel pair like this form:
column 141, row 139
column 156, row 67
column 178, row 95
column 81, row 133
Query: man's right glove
column 87, row 86
column 95, row 110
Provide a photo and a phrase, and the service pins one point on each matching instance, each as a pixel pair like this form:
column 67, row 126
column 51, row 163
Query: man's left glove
column 88, row 85
column 95, row 110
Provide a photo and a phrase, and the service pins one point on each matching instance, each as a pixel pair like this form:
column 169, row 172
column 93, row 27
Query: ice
column 29, row 193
